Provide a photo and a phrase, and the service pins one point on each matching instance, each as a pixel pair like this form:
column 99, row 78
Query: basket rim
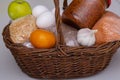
column 99, row 49
column 60, row 43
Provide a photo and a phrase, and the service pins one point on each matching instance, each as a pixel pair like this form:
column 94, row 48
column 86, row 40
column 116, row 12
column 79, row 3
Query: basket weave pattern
column 61, row 61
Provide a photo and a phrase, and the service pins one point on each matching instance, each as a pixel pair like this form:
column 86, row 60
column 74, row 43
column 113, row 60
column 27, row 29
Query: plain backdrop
column 9, row 70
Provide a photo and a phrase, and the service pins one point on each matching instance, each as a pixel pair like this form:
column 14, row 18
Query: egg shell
column 38, row 10
column 46, row 20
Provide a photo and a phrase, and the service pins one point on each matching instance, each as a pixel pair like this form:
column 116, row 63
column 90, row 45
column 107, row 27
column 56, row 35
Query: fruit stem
column 19, row 1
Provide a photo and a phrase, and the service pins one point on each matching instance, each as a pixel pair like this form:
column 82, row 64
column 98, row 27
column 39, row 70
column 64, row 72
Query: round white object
column 46, row 20
column 38, row 10
column 86, row 37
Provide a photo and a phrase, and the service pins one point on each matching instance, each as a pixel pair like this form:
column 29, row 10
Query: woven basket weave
column 61, row 61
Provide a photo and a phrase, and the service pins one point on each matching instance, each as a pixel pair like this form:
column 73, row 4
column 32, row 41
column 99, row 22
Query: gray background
column 9, row 70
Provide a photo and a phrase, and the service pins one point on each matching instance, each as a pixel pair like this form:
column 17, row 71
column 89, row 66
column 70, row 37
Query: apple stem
column 19, row 1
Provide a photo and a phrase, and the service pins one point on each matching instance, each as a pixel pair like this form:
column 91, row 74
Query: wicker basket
column 61, row 61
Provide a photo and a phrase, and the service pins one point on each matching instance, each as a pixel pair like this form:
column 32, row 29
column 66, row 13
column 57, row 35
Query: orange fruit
column 42, row 39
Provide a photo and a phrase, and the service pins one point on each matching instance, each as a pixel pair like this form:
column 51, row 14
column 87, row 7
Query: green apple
column 19, row 8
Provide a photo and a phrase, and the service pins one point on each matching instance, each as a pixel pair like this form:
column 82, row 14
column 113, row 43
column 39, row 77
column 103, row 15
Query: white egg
column 46, row 20
column 38, row 10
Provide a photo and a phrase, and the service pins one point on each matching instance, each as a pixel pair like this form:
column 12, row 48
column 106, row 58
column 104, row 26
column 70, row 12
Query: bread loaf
column 84, row 13
column 108, row 28
column 21, row 29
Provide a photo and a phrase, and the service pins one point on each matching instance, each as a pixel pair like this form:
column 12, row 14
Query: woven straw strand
column 60, row 39
column 65, row 4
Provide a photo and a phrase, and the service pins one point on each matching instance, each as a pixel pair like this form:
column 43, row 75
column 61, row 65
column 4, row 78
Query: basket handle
column 65, row 4
column 60, row 38
column 58, row 23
